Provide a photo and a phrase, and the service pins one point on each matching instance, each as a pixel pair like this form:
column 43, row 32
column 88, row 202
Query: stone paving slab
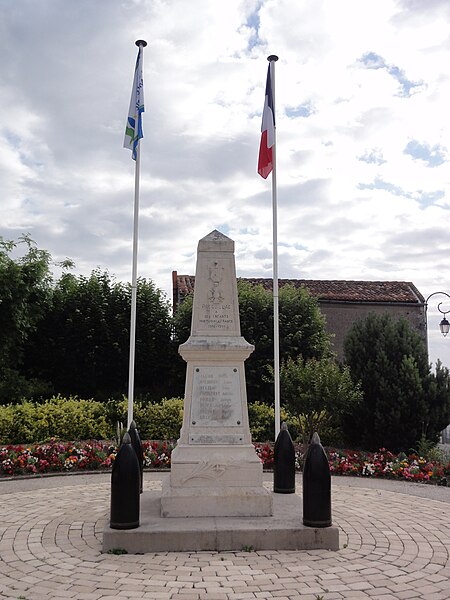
column 394, row 544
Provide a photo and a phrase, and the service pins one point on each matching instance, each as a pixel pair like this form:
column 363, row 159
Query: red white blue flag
column 265, row 160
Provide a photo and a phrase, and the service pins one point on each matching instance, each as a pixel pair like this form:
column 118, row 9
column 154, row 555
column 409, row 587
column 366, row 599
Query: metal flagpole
column 276, row 334
column 134, row 289
column 141, row 45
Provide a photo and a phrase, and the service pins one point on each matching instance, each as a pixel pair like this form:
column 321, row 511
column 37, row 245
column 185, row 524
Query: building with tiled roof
column 341, row 302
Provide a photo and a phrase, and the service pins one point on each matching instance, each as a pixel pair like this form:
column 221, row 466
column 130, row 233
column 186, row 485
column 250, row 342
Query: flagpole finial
column 271, row 58
column 140, row 43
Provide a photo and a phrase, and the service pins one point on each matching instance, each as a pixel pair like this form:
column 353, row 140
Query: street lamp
column 444, row 325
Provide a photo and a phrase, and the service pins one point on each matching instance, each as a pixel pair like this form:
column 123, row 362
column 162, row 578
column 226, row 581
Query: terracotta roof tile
column 333, row 290
column 353, row 291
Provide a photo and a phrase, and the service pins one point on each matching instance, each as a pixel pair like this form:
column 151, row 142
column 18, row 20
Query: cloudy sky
column 363, row 136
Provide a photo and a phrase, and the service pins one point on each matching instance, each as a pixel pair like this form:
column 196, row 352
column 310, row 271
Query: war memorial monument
column 214, row 497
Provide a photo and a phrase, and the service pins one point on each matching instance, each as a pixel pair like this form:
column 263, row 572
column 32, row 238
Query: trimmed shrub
column 63, row 418
column 6, row 424
column 77, row 419
column 262, row 422
column 154, row 420
column 161, row 420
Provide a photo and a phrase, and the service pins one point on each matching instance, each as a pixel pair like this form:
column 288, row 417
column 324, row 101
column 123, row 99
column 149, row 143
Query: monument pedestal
column 216, row 502
column 283, row 530
column 218, row 482
column 215, row 470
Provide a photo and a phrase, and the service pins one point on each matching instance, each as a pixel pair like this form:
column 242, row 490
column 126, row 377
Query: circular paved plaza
column 394, row 544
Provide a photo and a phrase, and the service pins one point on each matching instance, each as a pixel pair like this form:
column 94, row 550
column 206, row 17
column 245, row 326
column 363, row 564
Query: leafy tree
column 82, row 345
column 301, row 328
column 319, row 394
column 301, row 331
column 25, row 289
column 302, row 325
column 437, row 415
column 403, row 400
column 182, row 320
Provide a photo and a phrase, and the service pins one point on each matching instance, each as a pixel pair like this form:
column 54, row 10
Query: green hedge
column 262, row 422
column 76, row 419
column 63, row 418
column 155, row 421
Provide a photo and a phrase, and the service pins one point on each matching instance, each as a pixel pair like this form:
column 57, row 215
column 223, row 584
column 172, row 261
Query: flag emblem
column 265, row 159
column 133, row 129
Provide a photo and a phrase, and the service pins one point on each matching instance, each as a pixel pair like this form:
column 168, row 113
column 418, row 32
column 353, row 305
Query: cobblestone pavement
column 394, row 545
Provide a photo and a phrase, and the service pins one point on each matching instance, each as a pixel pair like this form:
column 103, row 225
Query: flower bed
column 383, row 463
column 56, row 456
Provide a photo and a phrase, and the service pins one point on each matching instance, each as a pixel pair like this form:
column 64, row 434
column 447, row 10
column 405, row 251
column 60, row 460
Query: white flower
column 368, row 469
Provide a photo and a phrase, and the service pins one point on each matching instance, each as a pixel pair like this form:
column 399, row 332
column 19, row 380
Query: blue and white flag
column 133, row 129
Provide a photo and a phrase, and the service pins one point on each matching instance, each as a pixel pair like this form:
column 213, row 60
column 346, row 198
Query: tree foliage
column 403, row 400
column 24, row 299
column 319, row 394
column 82, row 344
column 438, row 410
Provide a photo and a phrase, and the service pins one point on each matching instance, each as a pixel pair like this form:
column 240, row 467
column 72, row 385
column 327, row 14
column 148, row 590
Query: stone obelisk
column 215, row 469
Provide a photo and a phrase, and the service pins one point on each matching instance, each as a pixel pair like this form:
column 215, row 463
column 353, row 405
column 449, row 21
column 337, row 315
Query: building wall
column 340, row 316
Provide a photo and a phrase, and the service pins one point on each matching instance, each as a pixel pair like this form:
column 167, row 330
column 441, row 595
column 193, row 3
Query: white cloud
column 357, row 199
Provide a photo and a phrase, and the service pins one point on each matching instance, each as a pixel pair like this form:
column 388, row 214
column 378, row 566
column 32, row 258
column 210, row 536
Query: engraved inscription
column 217, row 316
column 216, row 400
column 215, row 439
column 216, row 311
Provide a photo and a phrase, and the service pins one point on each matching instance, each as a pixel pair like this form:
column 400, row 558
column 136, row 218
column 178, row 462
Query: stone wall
column 340, row 316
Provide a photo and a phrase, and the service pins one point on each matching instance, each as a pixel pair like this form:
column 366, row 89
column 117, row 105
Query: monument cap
column 216, row 242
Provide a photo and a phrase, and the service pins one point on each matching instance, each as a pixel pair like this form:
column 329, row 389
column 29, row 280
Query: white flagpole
column 134, row 289
column 276, row 334
column 141, row 45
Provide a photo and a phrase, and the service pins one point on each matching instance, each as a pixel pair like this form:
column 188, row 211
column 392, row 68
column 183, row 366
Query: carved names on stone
column 216, row 400
column 207, row 439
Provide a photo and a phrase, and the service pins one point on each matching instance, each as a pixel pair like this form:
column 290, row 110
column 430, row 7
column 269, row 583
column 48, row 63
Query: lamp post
column 444, row 325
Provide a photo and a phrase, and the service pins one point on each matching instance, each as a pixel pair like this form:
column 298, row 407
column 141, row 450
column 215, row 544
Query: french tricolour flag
column 265, row 160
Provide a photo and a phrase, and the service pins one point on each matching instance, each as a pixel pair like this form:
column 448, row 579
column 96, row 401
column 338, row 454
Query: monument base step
column 283, row 530
column 215, row 502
